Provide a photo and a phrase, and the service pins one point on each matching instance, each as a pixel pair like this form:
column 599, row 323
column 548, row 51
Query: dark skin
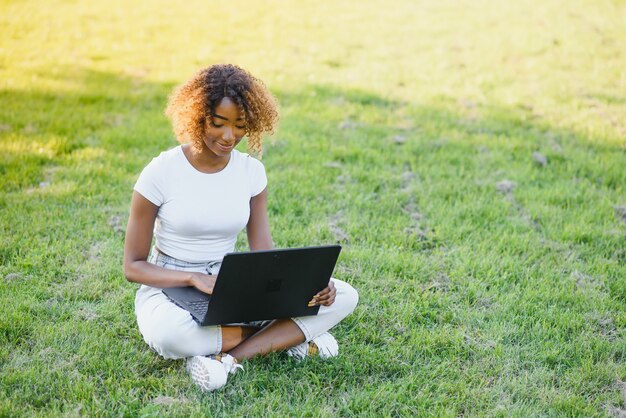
column 224, row 130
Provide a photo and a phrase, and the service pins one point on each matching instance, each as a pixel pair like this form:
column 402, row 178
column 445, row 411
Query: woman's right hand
column 203, row 282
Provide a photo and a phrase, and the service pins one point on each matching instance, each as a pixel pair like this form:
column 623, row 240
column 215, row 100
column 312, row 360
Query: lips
column 225, row 148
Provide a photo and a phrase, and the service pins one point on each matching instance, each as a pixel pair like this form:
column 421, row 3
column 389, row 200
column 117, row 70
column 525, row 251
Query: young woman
column 196, row 198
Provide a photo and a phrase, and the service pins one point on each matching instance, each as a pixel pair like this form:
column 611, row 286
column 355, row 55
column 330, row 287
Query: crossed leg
column 278, row 335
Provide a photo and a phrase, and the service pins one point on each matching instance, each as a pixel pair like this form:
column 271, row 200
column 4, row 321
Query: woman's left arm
column 258, row 228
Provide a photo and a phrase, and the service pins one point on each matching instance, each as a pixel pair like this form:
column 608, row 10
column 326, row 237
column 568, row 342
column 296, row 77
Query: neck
column 204, row 160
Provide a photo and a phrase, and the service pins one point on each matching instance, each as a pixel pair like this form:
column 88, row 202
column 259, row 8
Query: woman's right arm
column 137, row 248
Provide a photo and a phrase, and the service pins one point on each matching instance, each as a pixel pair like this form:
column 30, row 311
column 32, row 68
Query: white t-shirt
column 200, row 214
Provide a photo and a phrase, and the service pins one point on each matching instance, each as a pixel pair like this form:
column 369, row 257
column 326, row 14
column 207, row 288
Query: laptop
column 261, row 285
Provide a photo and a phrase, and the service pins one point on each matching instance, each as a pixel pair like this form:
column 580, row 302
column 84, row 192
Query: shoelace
column 230, row 363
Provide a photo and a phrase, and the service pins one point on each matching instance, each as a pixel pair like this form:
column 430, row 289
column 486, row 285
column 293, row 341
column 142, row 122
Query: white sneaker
column 210, row 373
column 324, row 346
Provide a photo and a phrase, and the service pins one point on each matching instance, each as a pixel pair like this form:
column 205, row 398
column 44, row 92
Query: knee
column 347, row 298
column 168, row 343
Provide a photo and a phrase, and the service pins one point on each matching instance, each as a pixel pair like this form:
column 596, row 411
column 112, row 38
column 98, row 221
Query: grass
column 492, row 281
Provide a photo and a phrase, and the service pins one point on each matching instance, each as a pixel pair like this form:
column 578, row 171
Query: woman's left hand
column 325, row 297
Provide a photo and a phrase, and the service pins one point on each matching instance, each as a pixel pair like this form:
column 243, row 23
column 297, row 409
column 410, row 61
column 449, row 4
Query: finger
column 206, row 288
column 317, row 297
column 322, row 300
column 325, row 299
column 317, row 300
column 331, row 291
column 322, row 295
column 322, row 292
column 330, row 299
column 328, row 292
column 326, row 302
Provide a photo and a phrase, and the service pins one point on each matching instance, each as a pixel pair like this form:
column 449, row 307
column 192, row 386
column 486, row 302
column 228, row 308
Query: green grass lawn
column 470, row 156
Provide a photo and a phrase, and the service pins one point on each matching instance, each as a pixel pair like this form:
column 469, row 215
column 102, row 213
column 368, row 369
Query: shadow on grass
column 42, row 128
column 118, row 113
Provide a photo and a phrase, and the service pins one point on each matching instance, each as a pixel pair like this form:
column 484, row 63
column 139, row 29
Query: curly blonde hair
column 191, row 103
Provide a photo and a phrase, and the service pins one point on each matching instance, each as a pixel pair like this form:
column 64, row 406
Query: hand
column 203, row 282
column 325, row 297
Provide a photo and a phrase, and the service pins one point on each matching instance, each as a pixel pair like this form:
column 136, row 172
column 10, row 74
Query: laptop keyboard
column 200, row 307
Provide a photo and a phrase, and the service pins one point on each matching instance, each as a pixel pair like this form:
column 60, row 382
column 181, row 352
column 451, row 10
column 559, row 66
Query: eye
column 215, row 125
column 240, row 127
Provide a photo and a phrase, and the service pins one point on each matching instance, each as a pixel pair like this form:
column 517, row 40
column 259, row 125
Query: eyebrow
column 215, row 115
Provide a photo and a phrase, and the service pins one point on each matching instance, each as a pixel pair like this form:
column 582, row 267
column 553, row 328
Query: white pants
column 172, row 332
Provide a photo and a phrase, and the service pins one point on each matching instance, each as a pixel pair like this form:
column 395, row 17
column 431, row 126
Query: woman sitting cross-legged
column 196, row 198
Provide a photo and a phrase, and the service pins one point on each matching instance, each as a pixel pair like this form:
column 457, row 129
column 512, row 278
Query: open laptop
column 261, row 285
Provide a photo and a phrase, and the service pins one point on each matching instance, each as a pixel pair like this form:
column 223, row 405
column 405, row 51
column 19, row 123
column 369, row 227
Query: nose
column 228, row 135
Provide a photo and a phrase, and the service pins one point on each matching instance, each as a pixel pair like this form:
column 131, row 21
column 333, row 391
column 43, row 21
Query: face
column 224, row 128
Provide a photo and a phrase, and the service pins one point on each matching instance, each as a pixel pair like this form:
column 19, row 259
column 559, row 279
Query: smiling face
column 224, row 128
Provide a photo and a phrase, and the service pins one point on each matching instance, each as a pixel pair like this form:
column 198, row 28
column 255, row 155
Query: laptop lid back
column 270, row 284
